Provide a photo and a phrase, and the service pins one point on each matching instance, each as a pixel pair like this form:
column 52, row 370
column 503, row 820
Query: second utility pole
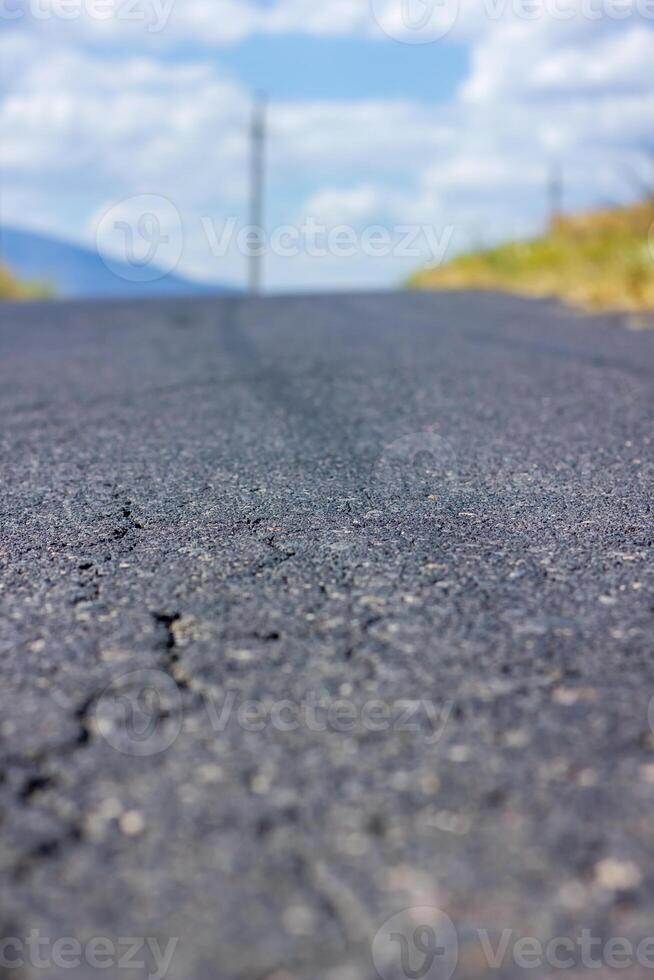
column 258, row 141
column 555, row 193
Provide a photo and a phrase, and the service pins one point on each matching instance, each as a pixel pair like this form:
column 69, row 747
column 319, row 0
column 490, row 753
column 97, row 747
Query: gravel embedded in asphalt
column 314, row 610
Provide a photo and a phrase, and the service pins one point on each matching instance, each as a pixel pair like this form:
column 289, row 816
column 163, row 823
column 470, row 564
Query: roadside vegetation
column 599, row 260
column 11, row 288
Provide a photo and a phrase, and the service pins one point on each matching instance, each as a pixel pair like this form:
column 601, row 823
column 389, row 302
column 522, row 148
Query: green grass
column 11, row 288
column 602, row 260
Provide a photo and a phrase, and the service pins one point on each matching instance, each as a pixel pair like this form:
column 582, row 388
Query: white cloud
column 523, row 61
column 82, row 127
column 352, row 205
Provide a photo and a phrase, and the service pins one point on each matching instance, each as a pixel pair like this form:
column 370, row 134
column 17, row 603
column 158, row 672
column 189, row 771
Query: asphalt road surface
column 327, row 640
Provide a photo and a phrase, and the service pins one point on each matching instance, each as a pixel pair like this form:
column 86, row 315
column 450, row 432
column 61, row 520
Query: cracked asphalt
column 314, row 610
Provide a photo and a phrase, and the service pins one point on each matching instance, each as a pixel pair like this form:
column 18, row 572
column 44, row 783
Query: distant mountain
column 75, row 271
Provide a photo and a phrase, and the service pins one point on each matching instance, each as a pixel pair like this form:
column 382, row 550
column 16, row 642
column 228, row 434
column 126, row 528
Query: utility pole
column 257, row 165
column 555, row 193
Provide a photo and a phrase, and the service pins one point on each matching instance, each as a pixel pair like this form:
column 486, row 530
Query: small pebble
column 132, row 823
column 617, row 875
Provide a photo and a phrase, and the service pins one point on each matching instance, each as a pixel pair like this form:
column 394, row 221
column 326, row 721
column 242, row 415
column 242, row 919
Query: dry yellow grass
column 599, row 260
column 11, row 288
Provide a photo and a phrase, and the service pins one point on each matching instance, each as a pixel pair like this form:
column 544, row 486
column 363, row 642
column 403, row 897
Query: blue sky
column 295, row 68
column 376, row 125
